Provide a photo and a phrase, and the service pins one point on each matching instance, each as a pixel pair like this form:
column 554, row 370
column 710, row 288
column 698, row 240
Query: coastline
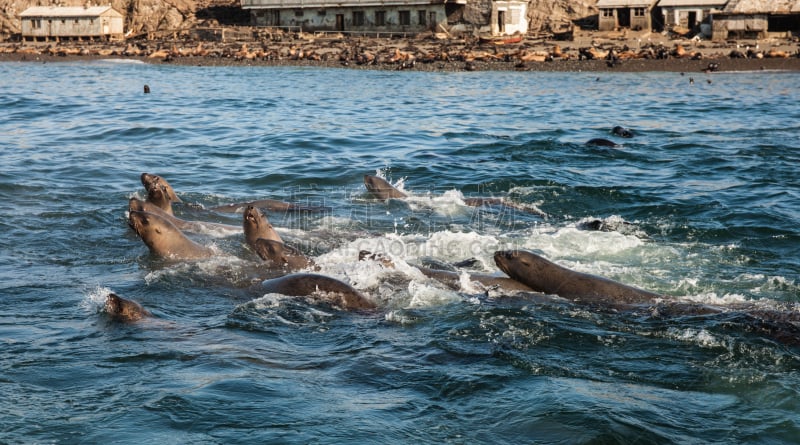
column 588, row 52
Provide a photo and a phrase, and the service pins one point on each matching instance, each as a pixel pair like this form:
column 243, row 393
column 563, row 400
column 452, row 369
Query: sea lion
column 308, row 284
column 189, row 226
column 381, row 188
column 164, row 239
column 159, row 192
column 600, row 142
column 452, row 280
column 124, row 310
column 271, row 205
column 622, row 132
column 257, row 226
column 278, row 254
column 545, row 276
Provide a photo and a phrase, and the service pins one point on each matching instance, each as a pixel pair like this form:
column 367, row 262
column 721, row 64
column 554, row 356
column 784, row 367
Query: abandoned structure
column 756, row 19
column 354, row 16
column 506, row 17
column 633, row 14
column 71, row 22
column 690, row 14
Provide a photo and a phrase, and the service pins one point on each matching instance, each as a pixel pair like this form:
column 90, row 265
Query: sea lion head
column 256, row 226
column 381, row 188
column 151, row 182
column 124, row 310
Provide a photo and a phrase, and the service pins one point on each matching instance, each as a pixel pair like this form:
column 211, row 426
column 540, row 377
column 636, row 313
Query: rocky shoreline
column 587, row 52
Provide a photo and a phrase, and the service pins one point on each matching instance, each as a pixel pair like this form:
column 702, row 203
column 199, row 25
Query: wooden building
column 631, row 14
column 71, row 22
column 756, row 19
column 354, row 16
column 690, row 14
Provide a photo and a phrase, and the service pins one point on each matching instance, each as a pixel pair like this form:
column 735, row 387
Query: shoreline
column 588, row 53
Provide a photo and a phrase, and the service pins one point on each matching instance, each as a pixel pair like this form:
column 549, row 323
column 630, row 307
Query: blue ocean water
column 709, row 189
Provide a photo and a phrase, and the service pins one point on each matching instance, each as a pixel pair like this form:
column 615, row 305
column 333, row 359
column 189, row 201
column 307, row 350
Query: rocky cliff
column 150, row 16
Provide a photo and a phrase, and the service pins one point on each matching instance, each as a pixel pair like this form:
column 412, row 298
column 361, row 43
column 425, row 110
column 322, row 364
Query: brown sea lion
column 257, row 226
column 453, row 280
column 188, row 226
column 164, row 239
column 124, row 310
column 278, row 254
column 308, row 284
column 545, row 276
column 271, row 205
column 383, row 190
column 159, row 191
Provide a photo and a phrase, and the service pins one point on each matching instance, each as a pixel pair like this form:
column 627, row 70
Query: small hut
column 756, row 19
column 71, row 22
column 632, row 14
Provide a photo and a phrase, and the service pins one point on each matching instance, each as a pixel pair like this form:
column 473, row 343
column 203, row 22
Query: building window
column 422, row 17
column 36, row 24
column 405, row 18
column 358, row 18
column 298, row 12
column 638, row 12
column 380, row 18
column 322, row 12
column 608, row 13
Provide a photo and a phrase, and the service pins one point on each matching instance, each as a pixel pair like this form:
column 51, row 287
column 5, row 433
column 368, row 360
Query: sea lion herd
column 525, row 273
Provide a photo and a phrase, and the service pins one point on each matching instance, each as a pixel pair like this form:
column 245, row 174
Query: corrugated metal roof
column 625, row 3
column 65, row 11
column 765, row 6
column 699, row 3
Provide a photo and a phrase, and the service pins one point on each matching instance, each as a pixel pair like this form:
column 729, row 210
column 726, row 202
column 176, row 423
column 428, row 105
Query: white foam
column 95, row 300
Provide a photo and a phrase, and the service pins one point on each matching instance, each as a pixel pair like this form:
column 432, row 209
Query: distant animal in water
column 147, row 89
column 622, row 132
column 123, row 309
column 600, row 142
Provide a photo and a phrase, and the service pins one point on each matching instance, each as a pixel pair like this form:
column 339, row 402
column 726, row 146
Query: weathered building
column 690, row 14
column 509, row 17
column 632, row 14
column 71, row 22
column 354, row 16
column 756, row 19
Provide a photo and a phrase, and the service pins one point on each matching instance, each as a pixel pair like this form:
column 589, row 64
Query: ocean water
column 708, row 190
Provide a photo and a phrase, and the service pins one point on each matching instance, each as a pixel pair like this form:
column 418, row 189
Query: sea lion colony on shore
column 357, row 52
column 527, row 274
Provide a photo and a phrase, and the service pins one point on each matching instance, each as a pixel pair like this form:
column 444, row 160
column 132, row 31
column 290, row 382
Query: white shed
column 68, row 22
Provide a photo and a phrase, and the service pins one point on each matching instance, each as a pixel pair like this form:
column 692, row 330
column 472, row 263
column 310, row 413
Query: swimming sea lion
column 271, row 205
column 159, row 192
column 257, row 226
column 381, row 188
column 189, row 226
column 308, row 284
column 164, row 239
column 600, row 142
column 453, row 280
column 279, row 254
column 545, row 276
column 125, row 310
column 622, row 132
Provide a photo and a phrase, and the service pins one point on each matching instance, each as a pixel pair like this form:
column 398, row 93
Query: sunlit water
column 710, row 185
